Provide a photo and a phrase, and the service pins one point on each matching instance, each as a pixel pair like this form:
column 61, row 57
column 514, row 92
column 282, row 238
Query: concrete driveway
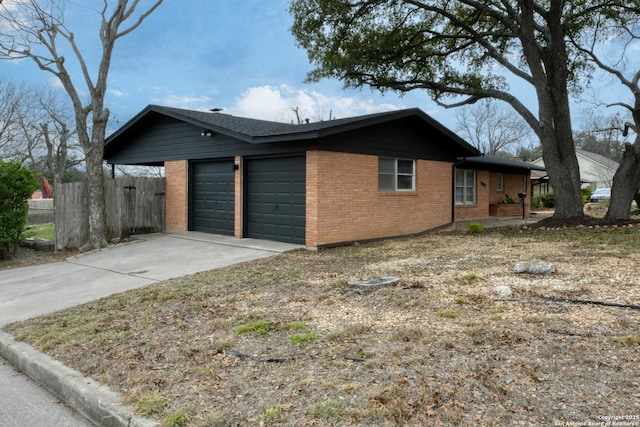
column 34, row 291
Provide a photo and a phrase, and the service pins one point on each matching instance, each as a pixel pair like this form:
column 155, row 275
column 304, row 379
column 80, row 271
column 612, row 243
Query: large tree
column 36, row 30
column 461, row 51
column 618, row 31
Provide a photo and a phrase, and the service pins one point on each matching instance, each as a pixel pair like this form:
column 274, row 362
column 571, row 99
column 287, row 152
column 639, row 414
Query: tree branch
column 474, row 36
column 141, row 18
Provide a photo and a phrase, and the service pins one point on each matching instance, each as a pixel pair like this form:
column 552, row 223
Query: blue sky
column 238, row 55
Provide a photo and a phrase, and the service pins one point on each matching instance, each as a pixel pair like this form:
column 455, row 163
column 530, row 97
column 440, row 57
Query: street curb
column 96, row 402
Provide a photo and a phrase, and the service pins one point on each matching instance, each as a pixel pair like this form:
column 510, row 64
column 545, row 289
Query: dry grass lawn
column 283, row 341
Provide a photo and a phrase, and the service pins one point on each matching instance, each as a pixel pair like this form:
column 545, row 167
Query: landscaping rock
column 534, row 267
column 40, row 245
column 370, row 285
column 503, row 291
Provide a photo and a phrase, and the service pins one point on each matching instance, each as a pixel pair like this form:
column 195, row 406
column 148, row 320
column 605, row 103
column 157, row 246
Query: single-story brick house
column 317, row 184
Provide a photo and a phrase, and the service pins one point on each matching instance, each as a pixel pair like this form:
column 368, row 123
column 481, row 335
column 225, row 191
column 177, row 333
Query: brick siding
column 481, row 208
column 488, row 194
column 239, row 194
column 176, row 173
column 344, row 204
column 512, row 186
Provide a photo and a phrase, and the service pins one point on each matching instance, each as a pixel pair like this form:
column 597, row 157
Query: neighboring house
column 596, row 171
column 318, row 184
column 539, row 183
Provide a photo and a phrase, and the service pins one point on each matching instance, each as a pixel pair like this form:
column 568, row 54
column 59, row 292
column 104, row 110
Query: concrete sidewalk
column 495, row 222
column 34, row 291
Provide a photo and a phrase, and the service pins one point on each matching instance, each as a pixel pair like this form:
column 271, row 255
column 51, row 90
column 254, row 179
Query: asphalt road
column 24, row 403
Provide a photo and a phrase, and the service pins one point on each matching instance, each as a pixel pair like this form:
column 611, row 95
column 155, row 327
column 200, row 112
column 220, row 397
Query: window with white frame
column 465, row 187
column 543, row 188
column 500, row 186
column 396, row 174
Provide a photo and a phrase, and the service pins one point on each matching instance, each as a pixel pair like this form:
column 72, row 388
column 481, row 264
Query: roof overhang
column 264, row 132
column 498, row 164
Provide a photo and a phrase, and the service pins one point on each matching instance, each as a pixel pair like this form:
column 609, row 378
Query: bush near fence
column 134, row 205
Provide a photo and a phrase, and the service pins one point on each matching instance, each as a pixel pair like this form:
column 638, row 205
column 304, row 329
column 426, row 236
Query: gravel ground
column 284, row 341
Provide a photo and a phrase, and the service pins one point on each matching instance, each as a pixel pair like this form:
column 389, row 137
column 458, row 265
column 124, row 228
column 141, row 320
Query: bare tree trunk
column 559, row 155
column 93, row 147
column 625, row 183
column 565, row 178
column 548, row 65
column 45, row 27
column 95, row 193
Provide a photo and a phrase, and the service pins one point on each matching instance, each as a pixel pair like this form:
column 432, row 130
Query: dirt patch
column 284, row 341
column 25, row 257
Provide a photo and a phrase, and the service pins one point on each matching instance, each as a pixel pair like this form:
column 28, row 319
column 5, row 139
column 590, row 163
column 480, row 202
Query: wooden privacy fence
column 133, row 206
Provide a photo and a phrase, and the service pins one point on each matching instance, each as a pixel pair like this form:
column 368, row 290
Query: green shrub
column 586, row 195
column 536, row 202
column 151, row 404
column 475, row 228
column 508, row 200
column 544, row 200
column 295, row 326
column 302, row 338
column 17, row 184
column 177, row 419
column 259, row 327
column 272, row 415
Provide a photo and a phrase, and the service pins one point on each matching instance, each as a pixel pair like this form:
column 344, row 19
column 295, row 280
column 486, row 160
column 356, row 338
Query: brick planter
column 512, row 209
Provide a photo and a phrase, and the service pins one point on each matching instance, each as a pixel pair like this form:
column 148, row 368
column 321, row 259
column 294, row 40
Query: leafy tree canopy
column 448, row 48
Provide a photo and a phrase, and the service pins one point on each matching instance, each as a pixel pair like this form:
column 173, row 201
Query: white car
column 601, row 195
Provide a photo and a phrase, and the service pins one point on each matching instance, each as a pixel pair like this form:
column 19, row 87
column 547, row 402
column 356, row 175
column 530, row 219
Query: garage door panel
column 276, row 192
column 213, row 197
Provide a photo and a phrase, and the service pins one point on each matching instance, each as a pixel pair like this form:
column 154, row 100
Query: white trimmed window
column 396, row 174
column 500, row 182
column 465, row 187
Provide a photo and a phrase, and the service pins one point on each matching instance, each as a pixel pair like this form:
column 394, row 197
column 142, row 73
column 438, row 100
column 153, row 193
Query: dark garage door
column 275, row 199
column 212, row 197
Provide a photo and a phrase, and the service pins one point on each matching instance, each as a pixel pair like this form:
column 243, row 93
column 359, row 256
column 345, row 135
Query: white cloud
column 202, row 102
column 117, row 93
column 277, row 104
column 634, row 46
column 54, row 83
column 14, row 14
